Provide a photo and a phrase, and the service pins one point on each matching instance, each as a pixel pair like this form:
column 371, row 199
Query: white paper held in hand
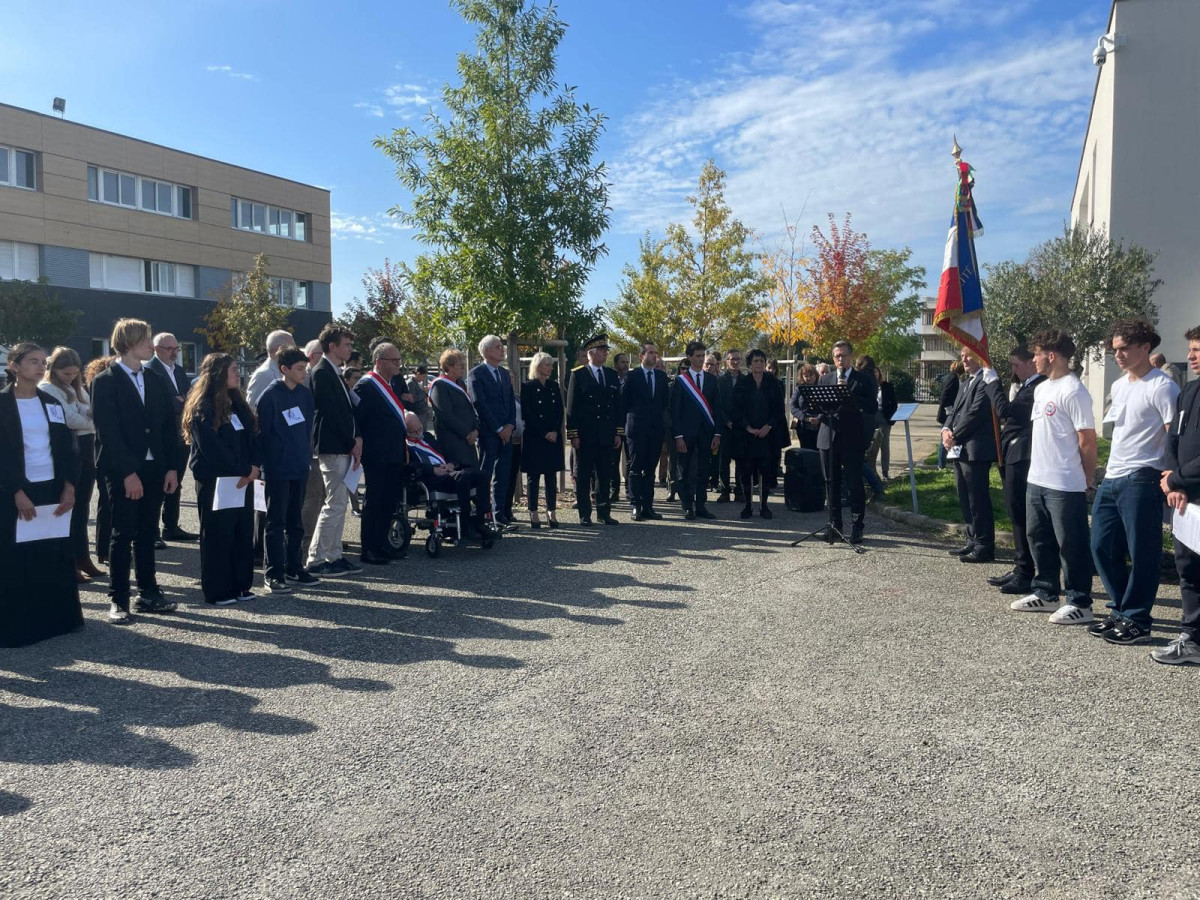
column 1185, row 527
column 353, row 477
column 227, row 494
column 260, row 496
column 44, row 526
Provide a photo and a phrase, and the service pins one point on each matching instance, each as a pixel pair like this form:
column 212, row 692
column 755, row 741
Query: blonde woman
column 542, row 453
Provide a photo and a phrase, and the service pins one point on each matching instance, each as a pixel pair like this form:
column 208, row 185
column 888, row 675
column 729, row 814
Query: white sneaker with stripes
column 1034, row 603
column 1070, row 614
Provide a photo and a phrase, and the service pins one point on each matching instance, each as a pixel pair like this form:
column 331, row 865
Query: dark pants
column 614, row 480
column 80, row 548
column 1187, row 564
column 839, row 464
column 170, row 504
column 514, row 478
column 284, row 540
column 1057, row 525
column 975, row 501
column 1016, row 485
column 692, row 468
column 594, row 467
column 103, row 519
column 495, row 461
column 747, row 471
column 644, row 453
column 226, row 545
column 531, row 489
column 470, row 479
column 134, row 531
column 384, row 485
column 1127, row 519
column 721, row 468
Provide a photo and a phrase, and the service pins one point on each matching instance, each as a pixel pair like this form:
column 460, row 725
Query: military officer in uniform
column 595, row 428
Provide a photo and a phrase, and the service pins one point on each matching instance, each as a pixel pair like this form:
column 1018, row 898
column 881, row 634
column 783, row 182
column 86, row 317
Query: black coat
column 971, row 421
column 754, row 406
column 726, row 382
column 1183, row 444
column 12, row 448
column 645, row 414
column 334, row 428
column 383, row 432
column 542, row 410
column 949, row 394
column 224, row 451
column 126, row 427
column 456, row 418
column 594, row 411
column 179, row 387
column 687, row 417
column 1016, row 436
column 857, row 414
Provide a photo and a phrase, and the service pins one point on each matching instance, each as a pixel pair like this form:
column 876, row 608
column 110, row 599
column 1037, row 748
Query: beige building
column 937, row 350
column 123, row 227
column 1136, row 172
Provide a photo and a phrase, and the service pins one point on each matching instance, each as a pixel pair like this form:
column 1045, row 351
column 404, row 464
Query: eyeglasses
column 394, row 359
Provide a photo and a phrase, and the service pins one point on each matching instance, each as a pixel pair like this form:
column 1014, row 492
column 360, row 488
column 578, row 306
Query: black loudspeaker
column 803, row 482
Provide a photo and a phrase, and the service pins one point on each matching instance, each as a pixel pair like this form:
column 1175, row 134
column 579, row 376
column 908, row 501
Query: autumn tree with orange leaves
column 845, row 303
column 784, row 317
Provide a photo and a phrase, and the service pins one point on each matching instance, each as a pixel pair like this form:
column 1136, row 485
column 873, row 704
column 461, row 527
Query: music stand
column 827, row 400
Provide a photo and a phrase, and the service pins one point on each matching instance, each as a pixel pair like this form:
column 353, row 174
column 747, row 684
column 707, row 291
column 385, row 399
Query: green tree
column 897, row 284
column 1081, row 281
column 644, row 310
column 505, row 190
column 391, row 308
column 246, row 311
column 31, row 311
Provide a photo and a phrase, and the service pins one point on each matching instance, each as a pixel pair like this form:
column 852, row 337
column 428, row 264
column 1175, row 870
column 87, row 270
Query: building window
column 143, row 276
column 187, row 357
column 147, row 194
column 289, row 292
column 19, row 262
column 100, row 348
column 245, row 215
column 18, row 168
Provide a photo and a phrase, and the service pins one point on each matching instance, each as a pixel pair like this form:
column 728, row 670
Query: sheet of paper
column 353, row 477
column 260, row 496
column 44, row 526
column 228, row 495
column 954, row 452
column 1186, row 527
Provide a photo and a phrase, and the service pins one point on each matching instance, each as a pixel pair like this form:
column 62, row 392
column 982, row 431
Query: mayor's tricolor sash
column 690, row 384
column 454, row 384
column 417, row 444
column 389, row 395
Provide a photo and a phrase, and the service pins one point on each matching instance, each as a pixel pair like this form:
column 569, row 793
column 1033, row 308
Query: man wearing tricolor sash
column 694, row 403
column 380, row 415
column 438, row 473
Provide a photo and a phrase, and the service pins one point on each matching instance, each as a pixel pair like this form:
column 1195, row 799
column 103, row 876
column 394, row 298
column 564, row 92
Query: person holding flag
column 694, row 397
column 380, row 416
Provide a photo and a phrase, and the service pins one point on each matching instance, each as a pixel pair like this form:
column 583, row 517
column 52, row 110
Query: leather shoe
column 651, row 514
column 639, row 516
column 963, row 550
column 375, row 559
column 1002, row 580
column 586, row 521
column 178, row 534
column 723, row 497
column 608, row 520
column 1017, row 586
column 979, row 555
column 856, row 534
column 689, row 515
column 704, row 514
column 160, row 544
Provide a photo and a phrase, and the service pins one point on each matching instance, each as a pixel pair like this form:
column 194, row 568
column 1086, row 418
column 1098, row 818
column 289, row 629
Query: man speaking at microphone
column 842, row 440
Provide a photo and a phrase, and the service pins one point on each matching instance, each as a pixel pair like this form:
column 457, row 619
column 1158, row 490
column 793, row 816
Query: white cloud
column 370, row 228
column 228, row 70
column 402, row 95
column 372, row 109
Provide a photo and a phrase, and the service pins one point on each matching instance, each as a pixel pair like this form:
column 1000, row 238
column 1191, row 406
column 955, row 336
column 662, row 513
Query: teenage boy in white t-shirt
column 1062, row 470
column 1127, row 513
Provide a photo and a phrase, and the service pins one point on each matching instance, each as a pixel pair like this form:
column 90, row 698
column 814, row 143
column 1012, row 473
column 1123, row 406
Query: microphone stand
column 828, row 399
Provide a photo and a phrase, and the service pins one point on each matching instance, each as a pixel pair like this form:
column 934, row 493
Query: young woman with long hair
column 103, row 503
column 220, row 427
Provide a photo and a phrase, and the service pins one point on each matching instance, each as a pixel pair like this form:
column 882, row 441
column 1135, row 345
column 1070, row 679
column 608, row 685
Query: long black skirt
column 39, row 596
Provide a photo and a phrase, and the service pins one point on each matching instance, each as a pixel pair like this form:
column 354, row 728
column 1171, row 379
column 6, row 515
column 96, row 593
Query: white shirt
column 35, row 433
column 1062, row 407
column 698, row 377
column 138, row 378
column 1139, row 412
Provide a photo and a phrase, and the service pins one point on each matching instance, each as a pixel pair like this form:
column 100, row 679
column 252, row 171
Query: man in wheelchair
column 438, row 474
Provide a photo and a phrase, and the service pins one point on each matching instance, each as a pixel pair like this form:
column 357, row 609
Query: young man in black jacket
column 136, row 426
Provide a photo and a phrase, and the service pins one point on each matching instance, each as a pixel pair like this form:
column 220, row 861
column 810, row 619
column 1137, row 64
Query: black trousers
column 134, row 531
column 384, row 484
column 1187, row 564
column 170, row 504
column 644, row 454
column 531, row 489
column 80, row 546
column 470, row 479
column 692, row 469
column 283, row 542
column 514, row 475
column 975, row 501
column 747, row 471
column 841, row 464
column 614, row 481
column 1016, row 485
column 594, row 467
column 724, row 467
column 226, row 545
column 103, row 518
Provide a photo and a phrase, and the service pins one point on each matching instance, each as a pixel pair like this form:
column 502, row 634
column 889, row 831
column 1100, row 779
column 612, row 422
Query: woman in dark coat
column 759, row 430
column 456, row 421
column 542, row 453
column 806, row 425
column 38, row 470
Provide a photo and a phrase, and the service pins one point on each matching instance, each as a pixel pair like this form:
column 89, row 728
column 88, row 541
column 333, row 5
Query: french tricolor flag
column 960, row 293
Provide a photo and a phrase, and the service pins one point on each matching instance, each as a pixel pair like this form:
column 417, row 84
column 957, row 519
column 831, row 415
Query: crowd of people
column 276, row 466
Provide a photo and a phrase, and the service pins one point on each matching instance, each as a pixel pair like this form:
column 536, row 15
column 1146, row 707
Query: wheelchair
column 437, row 512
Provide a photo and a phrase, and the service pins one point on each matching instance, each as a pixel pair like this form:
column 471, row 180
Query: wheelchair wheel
column 433, row 545
column 400, row 532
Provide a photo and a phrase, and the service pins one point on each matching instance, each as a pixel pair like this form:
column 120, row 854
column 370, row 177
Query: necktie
column 498, row 379
column 596, row 374
column 841, row 376
column 700, row 381
column 650, row 376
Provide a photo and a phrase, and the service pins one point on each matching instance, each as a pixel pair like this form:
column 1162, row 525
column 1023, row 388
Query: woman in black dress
column 219, row 426
column 759, row 430
column 38, row 470
column 542, row 453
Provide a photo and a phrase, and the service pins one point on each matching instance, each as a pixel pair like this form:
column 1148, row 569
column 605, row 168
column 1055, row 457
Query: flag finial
column 956, row 151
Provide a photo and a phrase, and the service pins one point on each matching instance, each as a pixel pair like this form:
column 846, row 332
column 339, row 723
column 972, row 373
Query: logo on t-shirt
column 1051, row 409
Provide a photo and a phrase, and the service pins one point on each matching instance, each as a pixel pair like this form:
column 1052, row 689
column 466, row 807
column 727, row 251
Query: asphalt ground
column 655, row 710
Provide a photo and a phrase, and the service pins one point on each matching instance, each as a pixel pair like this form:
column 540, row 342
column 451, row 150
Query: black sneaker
column 118, row 614
column 304, row 576
column 1128, row 633
column 1104, row 627
column 224, row 601
column 321, row 570
column 275, row 586
column 153, row 601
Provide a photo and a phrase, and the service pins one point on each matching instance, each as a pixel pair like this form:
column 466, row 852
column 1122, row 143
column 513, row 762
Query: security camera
column 1108, row 43
column 1099, row 56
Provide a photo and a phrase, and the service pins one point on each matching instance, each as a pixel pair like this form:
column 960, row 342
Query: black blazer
column 224, row 451
column 726, row 382
column 179, row 387
column 334, row 428
column 456, row 418
column 971, row 421
column 1183, row 444
column 950, row 388
column 687, row 418
column 12, row 446
column 754, row 406
column 126, row 427
column 645, row 415
column 542, row 410
column 382, row 431
column 1016, row 436
column 495, row 402
column 850, row 429
column 594, row 411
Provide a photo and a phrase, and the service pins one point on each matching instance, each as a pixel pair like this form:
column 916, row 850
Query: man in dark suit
column 137, row 429
column 165, row 363
column 1016, row 442
column 969, row 437
column 695, row 419
column 490, row 384
column 339, row 449
column 439, row 472
column 645, row 396
column 725, row 384
column 380, row 417
column 595, row 427
column 842, row 440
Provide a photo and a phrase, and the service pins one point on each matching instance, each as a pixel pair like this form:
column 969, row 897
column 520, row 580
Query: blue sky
column 811, row 107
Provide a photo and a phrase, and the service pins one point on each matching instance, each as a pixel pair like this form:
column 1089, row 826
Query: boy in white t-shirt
column 1128, row 510
column 1062, row 470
